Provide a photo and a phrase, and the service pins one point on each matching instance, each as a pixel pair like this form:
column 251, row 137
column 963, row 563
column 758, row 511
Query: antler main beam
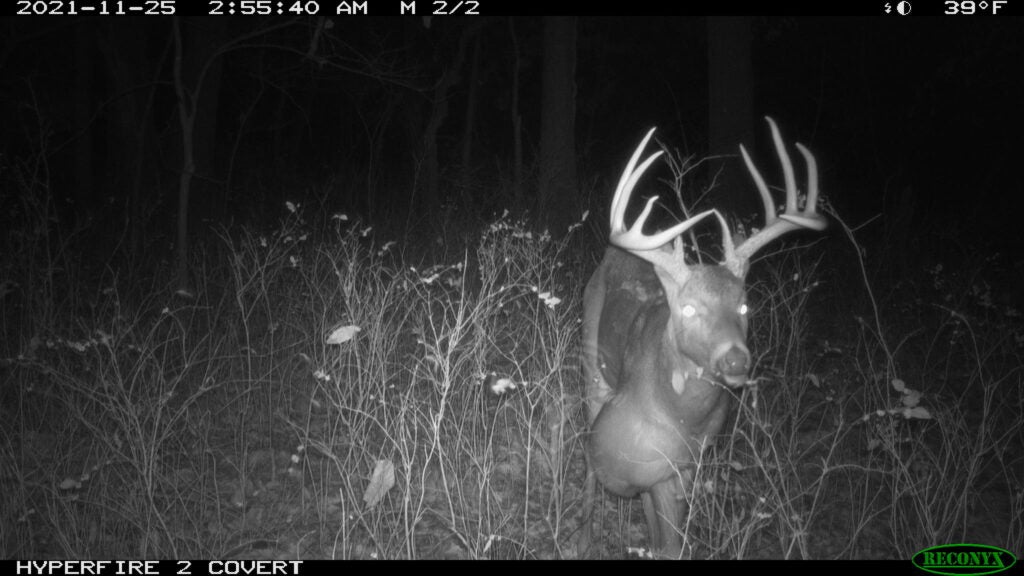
column 793, row 218
column 633, row 238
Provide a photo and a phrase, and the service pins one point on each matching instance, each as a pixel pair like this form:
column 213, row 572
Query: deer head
column 708, row 303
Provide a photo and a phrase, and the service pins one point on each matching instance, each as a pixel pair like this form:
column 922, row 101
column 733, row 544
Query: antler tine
column 633, row 238
column 766, row 197
column 792, row 218
column 787, row 167
column 818, row 222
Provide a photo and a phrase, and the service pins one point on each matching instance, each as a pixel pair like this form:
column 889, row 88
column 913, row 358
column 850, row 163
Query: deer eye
column 689, row 311
column 743, row 310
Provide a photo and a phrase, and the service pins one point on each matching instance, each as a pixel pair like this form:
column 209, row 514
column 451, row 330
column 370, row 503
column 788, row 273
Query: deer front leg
column 665, row 508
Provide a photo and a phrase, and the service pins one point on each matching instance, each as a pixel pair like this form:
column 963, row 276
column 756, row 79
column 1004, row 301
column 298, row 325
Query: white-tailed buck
column 662, row 341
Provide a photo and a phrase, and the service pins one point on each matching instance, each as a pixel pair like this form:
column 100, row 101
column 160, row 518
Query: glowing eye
column 689, row 311
column 743, row 309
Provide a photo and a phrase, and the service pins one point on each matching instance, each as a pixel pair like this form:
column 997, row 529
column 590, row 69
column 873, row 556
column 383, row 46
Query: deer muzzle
column 731, row 360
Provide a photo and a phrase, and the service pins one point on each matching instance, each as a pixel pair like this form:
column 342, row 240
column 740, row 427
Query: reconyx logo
column 963, row 559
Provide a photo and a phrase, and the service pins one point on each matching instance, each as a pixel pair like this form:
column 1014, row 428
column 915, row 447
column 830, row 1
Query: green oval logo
column 964, row 559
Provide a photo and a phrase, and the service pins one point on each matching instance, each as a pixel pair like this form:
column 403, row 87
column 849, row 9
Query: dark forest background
column 404, row 123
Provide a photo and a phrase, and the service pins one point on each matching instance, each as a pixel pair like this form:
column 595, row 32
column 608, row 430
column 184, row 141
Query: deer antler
column 632, row 238
column 737, row 259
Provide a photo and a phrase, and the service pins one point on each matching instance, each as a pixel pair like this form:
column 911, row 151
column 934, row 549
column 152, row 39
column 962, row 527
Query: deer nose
column 733, row 362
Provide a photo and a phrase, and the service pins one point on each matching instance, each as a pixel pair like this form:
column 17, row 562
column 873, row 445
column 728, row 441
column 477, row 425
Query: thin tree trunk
column 186, row 117
column 730, row 112
column 201, row 41
column 84, row 106
column 469, row 121
column 517, row 121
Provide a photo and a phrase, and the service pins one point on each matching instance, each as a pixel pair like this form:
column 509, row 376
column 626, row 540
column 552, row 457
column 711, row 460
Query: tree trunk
column 469, row 121
column 558, row 206
column 517, row 121
column 730, row 95
column 438, row 113
column 186, row 117
column 84, row 106
column 130, row 127
column 203, row 37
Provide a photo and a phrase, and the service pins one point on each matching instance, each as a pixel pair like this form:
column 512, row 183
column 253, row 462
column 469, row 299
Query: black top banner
column 894, row 9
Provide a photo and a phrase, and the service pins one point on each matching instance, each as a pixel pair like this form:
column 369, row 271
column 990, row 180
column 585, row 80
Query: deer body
column 663, row 341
